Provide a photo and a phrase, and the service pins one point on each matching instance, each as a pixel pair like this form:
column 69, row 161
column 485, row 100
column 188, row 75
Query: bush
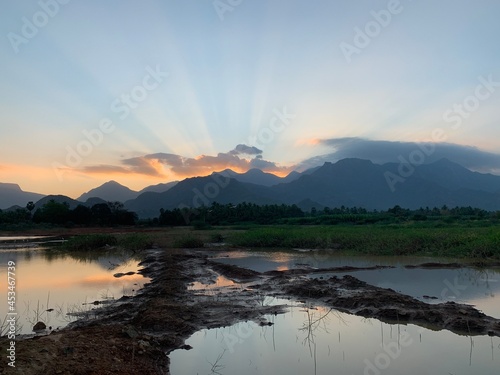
column 188, row 242
column 90, row 242
column 135, row 241
column 216, row 238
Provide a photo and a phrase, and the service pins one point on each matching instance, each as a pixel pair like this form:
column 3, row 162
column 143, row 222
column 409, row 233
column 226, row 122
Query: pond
column 316, row 340
column 323, row 342
column 57, row 287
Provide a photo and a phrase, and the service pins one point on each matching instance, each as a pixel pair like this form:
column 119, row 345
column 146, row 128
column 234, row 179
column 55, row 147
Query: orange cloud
column 308, row 142
column 240, row 159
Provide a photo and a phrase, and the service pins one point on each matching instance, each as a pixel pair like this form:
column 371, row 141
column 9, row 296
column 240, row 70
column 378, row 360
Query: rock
column 39, row 326
column 130, row 332
column 119, row 274
column 263, row 324
column 143, row 344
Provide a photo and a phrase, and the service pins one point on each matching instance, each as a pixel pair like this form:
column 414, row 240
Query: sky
column 144, row 92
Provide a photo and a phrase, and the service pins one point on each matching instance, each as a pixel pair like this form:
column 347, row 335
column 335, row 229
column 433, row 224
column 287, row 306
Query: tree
column 81, row 215
column 52, row 212
column 30, row 206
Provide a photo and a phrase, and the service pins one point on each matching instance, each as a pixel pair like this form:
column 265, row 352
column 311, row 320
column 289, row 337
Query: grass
column 90, row 242
column 188, row 241
column 135, row 241
column 379, row 240
column 128, row 241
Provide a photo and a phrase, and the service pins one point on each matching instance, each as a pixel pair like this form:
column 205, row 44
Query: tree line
column 114, row 213
column 52, row 212
column 228, row 214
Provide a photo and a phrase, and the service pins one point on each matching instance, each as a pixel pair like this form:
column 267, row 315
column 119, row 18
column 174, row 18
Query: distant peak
column 112, row 182
column 255, row 171
column 354, row 160
column 10, row 186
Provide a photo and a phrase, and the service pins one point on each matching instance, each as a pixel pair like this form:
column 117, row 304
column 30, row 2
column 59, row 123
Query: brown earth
column 135, row 335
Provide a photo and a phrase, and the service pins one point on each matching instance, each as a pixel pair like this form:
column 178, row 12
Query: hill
column 12, row 195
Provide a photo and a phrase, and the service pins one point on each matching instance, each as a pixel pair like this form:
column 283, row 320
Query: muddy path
column 135, row 335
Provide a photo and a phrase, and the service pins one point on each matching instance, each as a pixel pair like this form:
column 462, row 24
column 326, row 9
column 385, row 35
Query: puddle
column 220, row 283
column 466, row 285
column 320, row 341
column 57, row 288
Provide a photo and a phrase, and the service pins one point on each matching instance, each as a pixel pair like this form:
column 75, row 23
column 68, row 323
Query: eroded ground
column 186, row 294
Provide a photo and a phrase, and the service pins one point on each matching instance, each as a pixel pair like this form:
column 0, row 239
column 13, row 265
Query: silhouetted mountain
column 110, row 191
column 92, row 201
column 453, row 176
column 159, row 188
column 59, row 199
column 349, row 182
column 258, row 177
column 355, row 182
column 198, row 191
column 12, row 195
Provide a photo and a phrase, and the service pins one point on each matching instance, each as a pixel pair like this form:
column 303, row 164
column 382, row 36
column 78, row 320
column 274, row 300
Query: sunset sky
column 144, row 92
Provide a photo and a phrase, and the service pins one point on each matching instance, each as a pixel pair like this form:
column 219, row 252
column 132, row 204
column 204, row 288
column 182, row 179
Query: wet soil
column 135, row 335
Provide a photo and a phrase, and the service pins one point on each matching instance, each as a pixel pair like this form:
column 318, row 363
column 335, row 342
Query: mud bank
column 136, row 335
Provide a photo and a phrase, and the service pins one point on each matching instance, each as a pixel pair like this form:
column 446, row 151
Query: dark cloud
column 269, row 166
column 245, row 150
column 381, row 152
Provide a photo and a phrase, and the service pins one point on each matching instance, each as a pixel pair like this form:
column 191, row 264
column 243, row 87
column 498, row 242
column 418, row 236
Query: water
column 480, row 288
column 66, row 284
column 324, row 342
column 317, row 340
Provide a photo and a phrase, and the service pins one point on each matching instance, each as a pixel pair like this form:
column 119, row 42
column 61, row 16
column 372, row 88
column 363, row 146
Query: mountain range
column 348, row 182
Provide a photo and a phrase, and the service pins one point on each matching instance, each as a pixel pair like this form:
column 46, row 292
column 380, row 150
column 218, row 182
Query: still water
column 316, row 340
column 324, row 342
column 57, row 288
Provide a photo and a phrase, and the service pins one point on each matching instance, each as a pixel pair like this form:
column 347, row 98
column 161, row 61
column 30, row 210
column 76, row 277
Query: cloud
column 132, row 166
column 381, row 152
column 163, row 164
column 244, row 149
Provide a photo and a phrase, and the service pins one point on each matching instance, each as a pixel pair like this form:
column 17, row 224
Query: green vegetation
column 90, row 242
column 135, row 241
column 59, row 214
column 188, row 242
column 249, row 213
column 379, row 240
column 129, row 241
